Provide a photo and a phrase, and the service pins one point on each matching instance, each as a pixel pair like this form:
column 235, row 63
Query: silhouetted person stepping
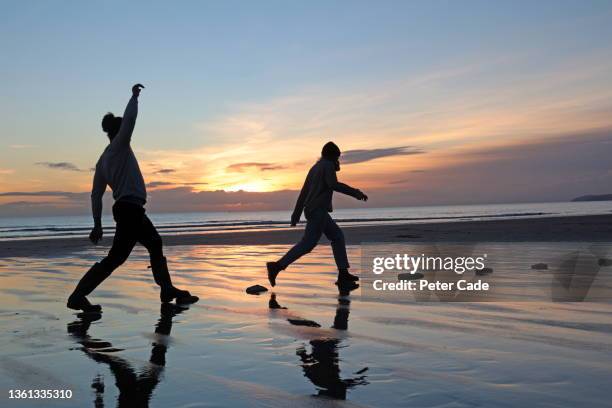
column 322, row 365
column 118, row 168
column 315, row 200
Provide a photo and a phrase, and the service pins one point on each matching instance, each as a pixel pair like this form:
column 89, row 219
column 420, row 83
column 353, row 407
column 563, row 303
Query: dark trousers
column 133, row 226
column 318, row 222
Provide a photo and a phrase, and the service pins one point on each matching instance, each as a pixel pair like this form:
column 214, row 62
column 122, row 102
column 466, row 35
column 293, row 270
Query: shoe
column 346, row 287
column 168, row 292
column 345, row 276
column 186, row 298
column 92, row 278
column 81, row 303
column 273, row 304
column 273, row 271
column 181, row 296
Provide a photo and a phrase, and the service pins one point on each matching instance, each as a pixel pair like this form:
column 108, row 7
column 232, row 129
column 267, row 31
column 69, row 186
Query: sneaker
column 273, row 304
column 345, row 276
column 273, row 271
column 346, row 287
column 81, row 303
column 181, row 296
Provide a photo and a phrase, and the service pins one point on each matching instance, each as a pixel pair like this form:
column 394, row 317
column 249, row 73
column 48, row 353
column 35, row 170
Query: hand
column 96, row 234
column 362, row 196
column 294, row 220
column 136, row 89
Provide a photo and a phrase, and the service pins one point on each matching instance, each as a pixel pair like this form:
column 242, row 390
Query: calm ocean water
column 181, row 223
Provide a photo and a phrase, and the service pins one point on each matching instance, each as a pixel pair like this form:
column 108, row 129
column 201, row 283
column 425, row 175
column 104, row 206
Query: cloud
column 364, row 155
column 545, row 170
column 165, row 171
column 240, row 167
column 155, row 184
column 65, row 194
column 177, row 199
column 7, row 171
column 60, row 166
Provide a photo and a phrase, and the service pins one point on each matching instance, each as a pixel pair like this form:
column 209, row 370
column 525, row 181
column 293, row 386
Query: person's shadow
column 322, row 365
column 135, row 388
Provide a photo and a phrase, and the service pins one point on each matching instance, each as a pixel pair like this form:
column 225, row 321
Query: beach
column 304, row 343
column 593, row 228
column 306, row 204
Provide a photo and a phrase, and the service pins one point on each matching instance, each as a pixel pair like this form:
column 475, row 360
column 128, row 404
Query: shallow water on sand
column 234, row 349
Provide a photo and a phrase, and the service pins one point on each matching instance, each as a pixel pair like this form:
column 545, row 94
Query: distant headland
column 594, row 197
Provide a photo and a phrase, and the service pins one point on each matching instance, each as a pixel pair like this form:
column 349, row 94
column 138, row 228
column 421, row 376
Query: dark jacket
column 318, row 189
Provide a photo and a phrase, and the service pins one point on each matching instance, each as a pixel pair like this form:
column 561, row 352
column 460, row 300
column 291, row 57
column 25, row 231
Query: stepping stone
column 604, row 262
column 410, row 276
column 484, row 271
column 539, row 266
column 256, row 289
column 303, row 322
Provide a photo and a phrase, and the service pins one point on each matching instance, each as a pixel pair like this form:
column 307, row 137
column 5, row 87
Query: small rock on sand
column 484, row 271
column 256, row 289
column 410, row 276
column 604, row 262
column 539, row 266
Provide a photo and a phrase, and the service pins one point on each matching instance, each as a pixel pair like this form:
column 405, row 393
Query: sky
column 432, row 102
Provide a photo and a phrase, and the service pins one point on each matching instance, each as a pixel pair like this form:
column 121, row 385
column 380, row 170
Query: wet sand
column 592, row 228
column 234, row 349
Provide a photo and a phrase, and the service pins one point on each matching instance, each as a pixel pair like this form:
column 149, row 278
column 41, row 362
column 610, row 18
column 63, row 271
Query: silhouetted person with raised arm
column 315, row 200
column 135, row 389
column 118, row 168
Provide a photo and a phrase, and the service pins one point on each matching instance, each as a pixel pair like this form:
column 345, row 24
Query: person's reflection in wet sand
column 135, row 389
column 322, row 365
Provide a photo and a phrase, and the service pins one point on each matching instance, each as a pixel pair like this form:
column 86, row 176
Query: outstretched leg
column 312, row 234
column 335, row 235
column 123, row 243
column 150, row 239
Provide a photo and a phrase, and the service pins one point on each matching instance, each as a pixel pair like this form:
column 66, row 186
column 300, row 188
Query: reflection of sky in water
column 231, row 349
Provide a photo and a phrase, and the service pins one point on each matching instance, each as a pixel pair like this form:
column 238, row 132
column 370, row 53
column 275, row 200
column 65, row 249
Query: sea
column 16, row 228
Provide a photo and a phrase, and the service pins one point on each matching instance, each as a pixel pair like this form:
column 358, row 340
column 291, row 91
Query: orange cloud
column 241, row 167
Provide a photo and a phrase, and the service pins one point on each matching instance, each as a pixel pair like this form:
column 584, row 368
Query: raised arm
column 124, row 136
column 97, row 192
column 332, row 181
